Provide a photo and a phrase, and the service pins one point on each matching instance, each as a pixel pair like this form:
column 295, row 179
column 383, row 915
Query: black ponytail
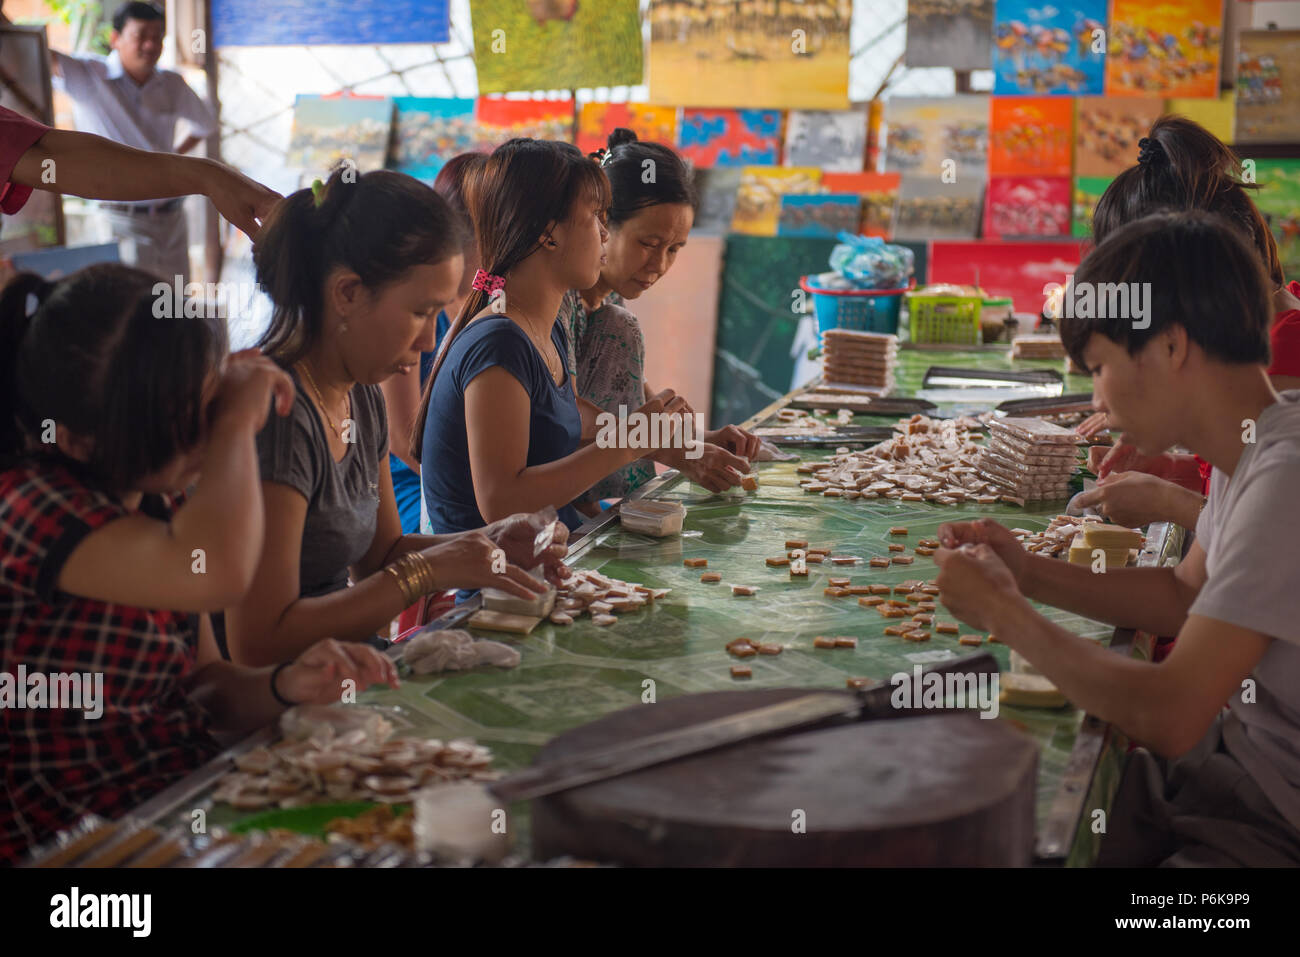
column 15, row 320
column 103, row 357
column 627, row 164
column 378, row 225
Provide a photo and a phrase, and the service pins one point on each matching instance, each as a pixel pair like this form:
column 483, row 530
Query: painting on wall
column 948, row 33
column 758, row 201
column 1030, row 136
column 1087, row 190
column 310, row 23
column 1049, row 48
column 428, row 131
column 1106, row 132
column 790, row 56
column 1169, row 48
column 1268, row 86
column 556, row 44
column 1279, row 200
column 879, row 194
column 930, row 209
column 730, row 137
column 835, row 141
column 923, row 132
column 500, row 120
column 330, row 129
column 826, row 215
column 651, row 124
column 1027, row 206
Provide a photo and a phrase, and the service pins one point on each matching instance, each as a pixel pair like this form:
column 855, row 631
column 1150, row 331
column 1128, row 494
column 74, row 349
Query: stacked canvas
column 863, row 360
column 1029, row 459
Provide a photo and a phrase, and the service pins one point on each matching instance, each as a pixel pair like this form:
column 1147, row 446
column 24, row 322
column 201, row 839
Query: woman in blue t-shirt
column 402, row 393
column 500, row 427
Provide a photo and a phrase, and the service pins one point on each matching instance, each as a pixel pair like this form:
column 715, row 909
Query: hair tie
column 488, row 283
column 317, row 192
column 602, row 156
column 1148, row 150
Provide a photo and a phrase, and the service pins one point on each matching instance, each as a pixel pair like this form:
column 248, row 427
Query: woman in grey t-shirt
column 357, row 270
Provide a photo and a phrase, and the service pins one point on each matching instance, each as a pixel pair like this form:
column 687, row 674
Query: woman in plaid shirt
column 107, row 570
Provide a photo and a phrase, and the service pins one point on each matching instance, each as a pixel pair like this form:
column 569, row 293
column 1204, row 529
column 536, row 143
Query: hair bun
column 619, row 137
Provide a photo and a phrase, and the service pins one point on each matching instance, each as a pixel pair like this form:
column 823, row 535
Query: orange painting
column 1164, row 48
column 651, row 124
column 1030, row 135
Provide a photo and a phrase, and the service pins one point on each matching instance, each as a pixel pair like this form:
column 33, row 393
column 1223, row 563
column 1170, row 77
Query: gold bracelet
column 425, row 571
column 403, row 583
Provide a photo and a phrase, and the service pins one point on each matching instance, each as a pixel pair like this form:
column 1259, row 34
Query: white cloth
column 158, row 243
column 107, row 102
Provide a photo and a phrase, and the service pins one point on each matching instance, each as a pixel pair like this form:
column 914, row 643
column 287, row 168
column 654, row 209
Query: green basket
column 951, row 320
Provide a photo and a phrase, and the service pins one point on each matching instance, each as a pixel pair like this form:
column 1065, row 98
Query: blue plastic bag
column 868, row 262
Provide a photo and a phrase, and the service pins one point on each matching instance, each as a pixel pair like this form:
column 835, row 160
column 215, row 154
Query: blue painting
column 428, row 131
column 711, row 138
column 823, row 216
column 1045, row 48
column 254, row 23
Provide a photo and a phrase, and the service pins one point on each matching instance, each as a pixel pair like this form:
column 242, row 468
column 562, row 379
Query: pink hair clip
column 487, row 282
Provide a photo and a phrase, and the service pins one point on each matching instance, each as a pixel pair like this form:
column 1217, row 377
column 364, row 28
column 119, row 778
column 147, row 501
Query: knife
column 601, row 764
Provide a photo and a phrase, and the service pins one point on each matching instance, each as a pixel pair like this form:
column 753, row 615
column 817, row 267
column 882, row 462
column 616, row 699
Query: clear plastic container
column 649, row 517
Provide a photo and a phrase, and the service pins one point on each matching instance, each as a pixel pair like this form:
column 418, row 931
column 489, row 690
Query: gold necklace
column 546, row 356
column 320, row 401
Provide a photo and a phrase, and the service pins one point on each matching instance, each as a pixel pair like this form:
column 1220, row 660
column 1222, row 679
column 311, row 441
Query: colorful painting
column 1268, row 86
column 1030, row 136
column 930, row 209
column 330, row 129
column 1087, row 190
column 924, row 131
column 249, row 23
column 758, row 202
column 1106, row 133
column 717, row 189
column 1279, row 201
column 556, row 44
column 948, row 33
column 1027, row 206
column 1044, row 48
column 790, row 55
column 730, row 137
column 879, row 194
column 759, row 337
column 1164, row 48
column 1016, row 269
column 1218, row 116
column 826, row 215
column 428, row 131
column 832, row 140
column 500, row 120
column 651, row 124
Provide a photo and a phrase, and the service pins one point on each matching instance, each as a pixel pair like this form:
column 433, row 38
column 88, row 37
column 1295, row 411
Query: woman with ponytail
column 108, row 570
column 1182, row 166
column 501, row 428
column 650, row 219
column 357, row 269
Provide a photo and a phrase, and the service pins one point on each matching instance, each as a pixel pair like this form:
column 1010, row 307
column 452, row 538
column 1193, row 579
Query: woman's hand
column 985, row 531
column 317, row 675
column 472, row 560
column 735, row 440
column 1093, row 425
column 248, row 382
column 1134, row 499
column 974, row 582
column 515, row 536
column 714, row 468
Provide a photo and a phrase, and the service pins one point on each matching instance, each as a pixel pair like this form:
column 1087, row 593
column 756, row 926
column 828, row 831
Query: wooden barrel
column 946, row 789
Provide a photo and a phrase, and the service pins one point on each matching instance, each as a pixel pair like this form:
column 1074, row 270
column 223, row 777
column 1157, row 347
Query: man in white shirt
column 1218, row 779
column 125, row 97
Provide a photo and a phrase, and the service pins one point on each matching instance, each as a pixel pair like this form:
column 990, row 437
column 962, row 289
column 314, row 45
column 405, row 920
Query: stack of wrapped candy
column 1029, row 459
column 862, row 359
